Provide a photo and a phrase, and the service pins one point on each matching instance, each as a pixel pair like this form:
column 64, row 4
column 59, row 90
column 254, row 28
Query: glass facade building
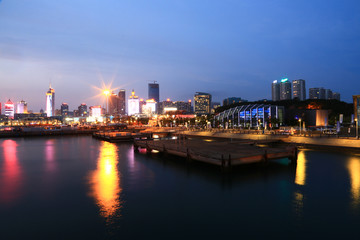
column 299, row 91
column 252, row 115
column 202, row 103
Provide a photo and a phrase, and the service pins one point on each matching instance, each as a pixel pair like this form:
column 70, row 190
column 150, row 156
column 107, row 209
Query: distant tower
column 133, row 104
column 154, row 91
column 21, row 107
column 316, row 93
column 64, row 109
column 50, row 102
column 285, row 89
column 275, row 90
column 122, row 102
column 202, row 103
column 9, row 109
column 299, row 90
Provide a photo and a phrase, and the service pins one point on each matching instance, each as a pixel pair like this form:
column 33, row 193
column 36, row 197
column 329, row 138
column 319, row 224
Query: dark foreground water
column 82, row 188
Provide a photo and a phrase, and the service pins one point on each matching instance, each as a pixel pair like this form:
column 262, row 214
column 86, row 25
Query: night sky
column 227, row 48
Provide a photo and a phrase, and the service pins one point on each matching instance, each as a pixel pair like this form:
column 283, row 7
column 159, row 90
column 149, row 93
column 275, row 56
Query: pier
column 224, row 154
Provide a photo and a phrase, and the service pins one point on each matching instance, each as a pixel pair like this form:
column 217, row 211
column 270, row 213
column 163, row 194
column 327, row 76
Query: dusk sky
column 227, row 48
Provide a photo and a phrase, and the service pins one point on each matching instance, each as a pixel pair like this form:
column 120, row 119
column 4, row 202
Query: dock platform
column 224, row 154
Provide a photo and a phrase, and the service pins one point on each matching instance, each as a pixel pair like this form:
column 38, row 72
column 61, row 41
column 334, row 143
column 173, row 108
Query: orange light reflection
column 300, row 176
column 105, row 181
column 354, row 172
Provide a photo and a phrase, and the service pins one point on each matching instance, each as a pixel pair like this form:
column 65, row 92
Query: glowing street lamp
column 300, row 125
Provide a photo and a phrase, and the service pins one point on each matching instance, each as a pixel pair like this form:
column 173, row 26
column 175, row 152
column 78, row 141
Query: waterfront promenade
column 318, row 140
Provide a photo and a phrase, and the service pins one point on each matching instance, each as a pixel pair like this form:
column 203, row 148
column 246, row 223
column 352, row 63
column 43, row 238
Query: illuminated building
column 50, row 102
column 154, row 91
column 122, row 102
column 9, row 109
column 275, row 90
column 214, row 105
column 299, row 90
column 133, row 104
column 166, row 106
column 285, row 89
column 149, row 107
column 95, row 111
column 83, row 110
column 64, row 109
column 202, row 103
column 316, row 93
column 21, row 107
column 252, row 115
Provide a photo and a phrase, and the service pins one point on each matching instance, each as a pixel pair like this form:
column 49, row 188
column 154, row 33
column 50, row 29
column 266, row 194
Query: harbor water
column 77, row 187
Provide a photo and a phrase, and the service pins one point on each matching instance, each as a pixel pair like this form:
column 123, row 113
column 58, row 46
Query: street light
column 300, row 125
column 357, row 128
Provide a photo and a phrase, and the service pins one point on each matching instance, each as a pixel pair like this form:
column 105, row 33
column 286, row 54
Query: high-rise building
column 64, row 109
column 133, row 104
column 9, row 109
column 154, row 91
column 202, row 103
column 50, row 102
column 336, row 95
column 122, row 102
column 299, row 90
column 328, row 94
column 114, row 104
column 275, row 90
column 285, row 89
column 21, row 107
column 316, row 93
column 83, row 112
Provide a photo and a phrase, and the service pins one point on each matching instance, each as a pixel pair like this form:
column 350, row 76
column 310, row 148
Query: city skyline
column 230, row 49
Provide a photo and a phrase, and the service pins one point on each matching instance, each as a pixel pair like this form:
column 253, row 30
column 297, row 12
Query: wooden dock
column 225, row 154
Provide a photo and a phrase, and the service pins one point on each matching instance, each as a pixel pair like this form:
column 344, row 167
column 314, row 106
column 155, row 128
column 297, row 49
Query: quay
column 224, row 154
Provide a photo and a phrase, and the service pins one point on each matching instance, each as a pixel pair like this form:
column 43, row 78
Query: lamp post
column 300, row 125
column 357, row 128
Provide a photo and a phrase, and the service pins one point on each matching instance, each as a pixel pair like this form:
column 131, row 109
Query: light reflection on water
column 105, row 181
column 10, row 177
column 300, row 177
column 354, row 172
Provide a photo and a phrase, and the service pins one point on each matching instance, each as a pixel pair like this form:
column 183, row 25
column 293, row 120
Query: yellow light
column 106, row 92
column 105, row 181
column 354, row 171
column 300, row 176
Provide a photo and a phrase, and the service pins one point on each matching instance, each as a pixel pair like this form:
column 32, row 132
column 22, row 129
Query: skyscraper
column 21, row 107
column 275, row 90
column 285, row 89
column 122, row 102
column 64, row 109
column 328, row 94
column 202, row 103
column 154, row 91
column 316, row 93
column 50, row 102
column 83, row 112
column 9, row 109
column 133, row 104
column 299, row 90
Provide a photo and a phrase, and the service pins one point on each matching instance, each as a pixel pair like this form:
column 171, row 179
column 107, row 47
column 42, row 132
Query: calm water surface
column 82, row 188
